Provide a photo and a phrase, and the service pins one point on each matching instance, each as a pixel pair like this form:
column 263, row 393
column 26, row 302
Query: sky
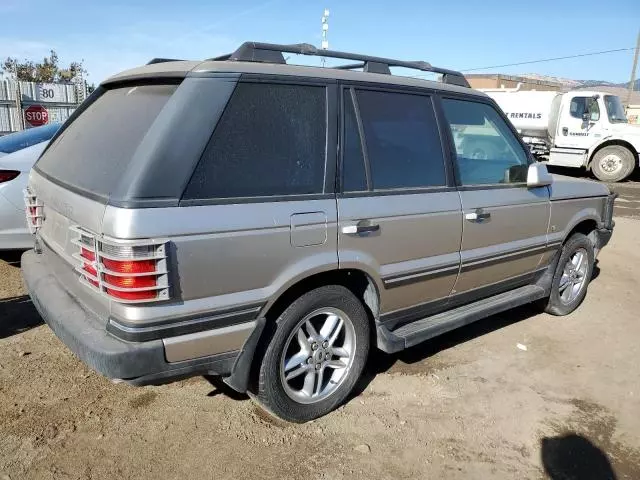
column 111, row 36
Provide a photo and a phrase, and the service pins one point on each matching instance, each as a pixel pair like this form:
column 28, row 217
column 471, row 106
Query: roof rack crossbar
column 272, row 53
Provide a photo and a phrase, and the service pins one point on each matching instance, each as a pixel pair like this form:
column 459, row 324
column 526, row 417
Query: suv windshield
column 26, row 138
column 614, row 109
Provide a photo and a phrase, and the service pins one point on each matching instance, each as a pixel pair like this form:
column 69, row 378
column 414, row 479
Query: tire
column 285, row 355
column 613, row 164
column 563, row 300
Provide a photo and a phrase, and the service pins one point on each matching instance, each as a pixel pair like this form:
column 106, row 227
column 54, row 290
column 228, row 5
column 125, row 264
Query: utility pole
column 633, row 70
column 325, row 32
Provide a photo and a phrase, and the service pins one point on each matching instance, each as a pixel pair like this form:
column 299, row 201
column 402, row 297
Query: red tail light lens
column 125, row 271
column 88, row 254
column 91, row 271
column 130, row 282
column 144, row 295
column 6, row 175
column 130, row 266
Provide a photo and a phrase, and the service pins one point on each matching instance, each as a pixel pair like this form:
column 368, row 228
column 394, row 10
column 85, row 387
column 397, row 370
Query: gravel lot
column 471, row 404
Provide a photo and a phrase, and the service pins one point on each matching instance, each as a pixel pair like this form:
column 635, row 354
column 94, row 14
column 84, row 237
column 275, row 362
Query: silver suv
column 271, row 223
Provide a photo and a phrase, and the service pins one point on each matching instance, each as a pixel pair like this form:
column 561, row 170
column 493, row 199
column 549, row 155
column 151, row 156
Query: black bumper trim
column 184, row 325
column 84, row 333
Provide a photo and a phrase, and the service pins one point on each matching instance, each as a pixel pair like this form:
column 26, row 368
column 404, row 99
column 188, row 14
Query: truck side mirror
column 586, row 117
column 538, row 176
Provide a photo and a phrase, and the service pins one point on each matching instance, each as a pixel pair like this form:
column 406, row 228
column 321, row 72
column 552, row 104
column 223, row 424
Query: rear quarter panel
column 225, row 256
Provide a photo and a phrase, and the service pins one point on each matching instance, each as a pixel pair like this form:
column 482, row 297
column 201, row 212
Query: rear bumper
column 84, row 333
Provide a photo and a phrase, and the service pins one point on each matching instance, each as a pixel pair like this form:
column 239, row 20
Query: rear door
column 399, row 215
column 505, row 223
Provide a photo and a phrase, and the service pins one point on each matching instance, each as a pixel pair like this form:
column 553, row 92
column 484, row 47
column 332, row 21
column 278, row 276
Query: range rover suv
column 272, row 223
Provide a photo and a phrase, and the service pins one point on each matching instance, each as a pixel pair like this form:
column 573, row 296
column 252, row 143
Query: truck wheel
column 316, row 355
column 572, row 275
column 613, row 164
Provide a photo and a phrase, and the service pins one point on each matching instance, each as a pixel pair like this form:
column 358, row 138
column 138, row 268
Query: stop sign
column 36, row 115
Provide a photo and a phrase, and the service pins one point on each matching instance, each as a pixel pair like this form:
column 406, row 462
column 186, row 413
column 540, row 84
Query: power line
column 549, row 59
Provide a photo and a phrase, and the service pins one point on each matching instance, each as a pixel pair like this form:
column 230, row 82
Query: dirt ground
column 471, row 404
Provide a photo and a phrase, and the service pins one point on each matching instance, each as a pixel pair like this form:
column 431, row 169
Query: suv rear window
column 270, row 141
column 93, row 152
column 403, row 142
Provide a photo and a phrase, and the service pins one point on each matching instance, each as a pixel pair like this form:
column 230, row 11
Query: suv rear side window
column 94, row 151
column 354, row 176
column 270, row 141
column 402, row 139
column 487, row 151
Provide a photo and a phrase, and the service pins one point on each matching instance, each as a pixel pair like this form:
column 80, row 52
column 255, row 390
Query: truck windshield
column 614, row 109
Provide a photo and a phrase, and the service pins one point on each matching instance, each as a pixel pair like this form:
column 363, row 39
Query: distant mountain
column 597, row 83
column 569, row 83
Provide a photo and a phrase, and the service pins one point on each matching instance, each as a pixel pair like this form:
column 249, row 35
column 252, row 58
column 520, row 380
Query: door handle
column 565, row 131
column 359, row 229
column 477, row 216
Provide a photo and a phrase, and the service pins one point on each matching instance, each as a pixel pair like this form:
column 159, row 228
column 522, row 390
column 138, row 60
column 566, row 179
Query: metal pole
column 633, row 70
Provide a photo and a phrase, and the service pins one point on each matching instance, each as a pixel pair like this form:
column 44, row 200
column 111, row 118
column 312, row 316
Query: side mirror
column 538, row 176
column 586, row 117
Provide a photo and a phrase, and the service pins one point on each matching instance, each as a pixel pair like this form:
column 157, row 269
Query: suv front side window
column 487, row 151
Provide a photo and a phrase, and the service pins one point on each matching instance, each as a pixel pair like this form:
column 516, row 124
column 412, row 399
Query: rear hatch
column 132, row 145
column 74, row 179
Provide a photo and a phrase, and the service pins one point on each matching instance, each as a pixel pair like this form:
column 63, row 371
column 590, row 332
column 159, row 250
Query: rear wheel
column 613, row 164
column 572, row 275
column 315, row 356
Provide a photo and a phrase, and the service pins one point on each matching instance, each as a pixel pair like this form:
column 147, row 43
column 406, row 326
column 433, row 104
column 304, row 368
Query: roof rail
column 273, row 53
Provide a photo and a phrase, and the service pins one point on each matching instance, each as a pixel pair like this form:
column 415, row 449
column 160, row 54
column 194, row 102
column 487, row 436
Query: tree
column 48, row 70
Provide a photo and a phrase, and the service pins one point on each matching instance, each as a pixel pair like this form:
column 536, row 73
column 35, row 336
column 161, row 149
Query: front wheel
column 572, row 275
column 315, row 356
column 613, row 164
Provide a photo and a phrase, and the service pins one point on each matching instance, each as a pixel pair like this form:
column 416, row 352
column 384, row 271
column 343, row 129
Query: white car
column 18, row 153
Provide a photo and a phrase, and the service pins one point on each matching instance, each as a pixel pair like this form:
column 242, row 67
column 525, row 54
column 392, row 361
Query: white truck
column 574, row 129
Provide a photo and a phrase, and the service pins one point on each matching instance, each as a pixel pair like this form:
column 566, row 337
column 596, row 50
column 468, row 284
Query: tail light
column 128, row 272
column 34, row 210
column 7, row 175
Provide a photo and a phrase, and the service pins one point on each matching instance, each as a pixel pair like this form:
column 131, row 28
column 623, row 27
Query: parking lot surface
column 518, row 395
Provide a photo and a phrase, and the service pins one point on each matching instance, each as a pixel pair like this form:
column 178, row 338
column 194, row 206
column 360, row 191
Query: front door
column 580, row 125
column 398, row 212
column 504, row 222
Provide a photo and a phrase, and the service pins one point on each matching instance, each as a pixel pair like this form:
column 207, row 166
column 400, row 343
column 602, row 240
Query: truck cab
column 575, row 129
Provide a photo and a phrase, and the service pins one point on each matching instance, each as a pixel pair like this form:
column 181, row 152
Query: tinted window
column 353, row 172
column 93, row 152
column 26, row 138
column 581, row 105
column 269, row 141
column 403, row 144
column 487, row 151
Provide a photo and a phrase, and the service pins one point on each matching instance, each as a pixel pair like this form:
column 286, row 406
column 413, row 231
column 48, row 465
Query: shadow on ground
column 12, row 257
column 17, row 315
column 573, row 456
column 380, row 362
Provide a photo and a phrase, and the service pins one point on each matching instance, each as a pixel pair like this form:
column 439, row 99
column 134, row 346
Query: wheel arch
column 359, row 282
column 611, row 143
